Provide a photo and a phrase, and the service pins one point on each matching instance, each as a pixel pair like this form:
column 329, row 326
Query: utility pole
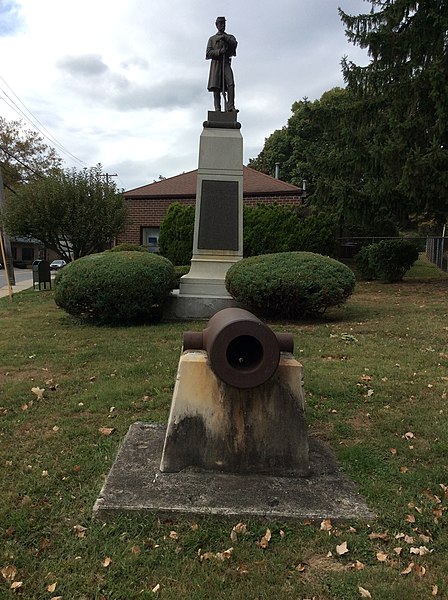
column 107, row 175
column 6, row 245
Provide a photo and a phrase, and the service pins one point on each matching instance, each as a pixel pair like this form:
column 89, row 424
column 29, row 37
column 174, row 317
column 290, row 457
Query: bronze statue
column 220, row 48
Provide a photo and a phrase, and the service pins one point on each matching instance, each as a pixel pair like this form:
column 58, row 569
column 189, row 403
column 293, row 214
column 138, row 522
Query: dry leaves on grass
column 39, row 392
column 364, row 593
column 238, row 529
column 106, row 430
column 381, row 556
column 264, row 542
column 326, row 525
column 225, row 555
column 106, row 561
column 80, row 531
column 9, row 572
column 342, row 549
column 51, row 587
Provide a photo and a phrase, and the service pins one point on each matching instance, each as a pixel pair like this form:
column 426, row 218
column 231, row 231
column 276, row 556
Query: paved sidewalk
column 19, row 287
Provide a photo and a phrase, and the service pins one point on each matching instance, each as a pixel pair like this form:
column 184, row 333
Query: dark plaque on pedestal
column 218, row 221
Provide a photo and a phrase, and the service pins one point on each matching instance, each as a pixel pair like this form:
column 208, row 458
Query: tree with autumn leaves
column 376, row 152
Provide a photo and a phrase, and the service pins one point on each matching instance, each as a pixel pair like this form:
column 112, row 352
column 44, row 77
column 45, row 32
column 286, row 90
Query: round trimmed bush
column 387, row 260
column 290, row 284
column 115, row 286
column 126, row 247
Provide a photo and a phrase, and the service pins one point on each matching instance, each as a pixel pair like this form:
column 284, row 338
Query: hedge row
column 268, row 228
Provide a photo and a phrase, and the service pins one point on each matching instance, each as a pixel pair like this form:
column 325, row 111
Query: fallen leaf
column 408, row 539
column 410, row 519
column 358, row 566
column 51, row 587
column 421, row 550
column 435, row 590
column 156, row 588
column 342, row 548
column 106, row 561
column 173, row 535
column 404, row 469
column 39, row 392
column 106, row 430
column 15, row 585
column 408, row 435
column 364, row 593
column 55, row 428
column 135, row 550
column 408, row 569
column 393, row 451
column 194, row 527
column 326, row 525
column 425, row 538
column 80, row 531
column 420, row 570
column 398, row 550
column 379, row 536
column 224, row 555
column 381, row 556
column 9, row 572
column 264, row 542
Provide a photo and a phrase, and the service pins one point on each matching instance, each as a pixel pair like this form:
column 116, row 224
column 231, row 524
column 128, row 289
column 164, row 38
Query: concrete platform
column 136, row 486
column 185, row 307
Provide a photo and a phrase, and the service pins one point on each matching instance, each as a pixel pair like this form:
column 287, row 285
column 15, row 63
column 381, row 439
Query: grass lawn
column 376, row 380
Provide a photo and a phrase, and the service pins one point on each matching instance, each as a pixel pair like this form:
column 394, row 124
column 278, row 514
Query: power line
column 32, row 120
column 21, row 162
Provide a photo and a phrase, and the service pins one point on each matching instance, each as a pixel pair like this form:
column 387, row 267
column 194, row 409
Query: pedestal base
column 190, row 307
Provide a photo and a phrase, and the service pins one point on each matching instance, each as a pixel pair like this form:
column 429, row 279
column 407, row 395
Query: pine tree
column 404, row 91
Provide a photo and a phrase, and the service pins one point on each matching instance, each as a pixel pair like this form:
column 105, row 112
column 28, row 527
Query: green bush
column 270, row 228
column 125, row 247
column 290, row 284
column 179, row 270
column 176, row 234
column 387, row 261
column 115, row 286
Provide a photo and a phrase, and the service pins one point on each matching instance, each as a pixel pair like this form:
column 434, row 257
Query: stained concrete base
column 185, row 307
column 136, row 486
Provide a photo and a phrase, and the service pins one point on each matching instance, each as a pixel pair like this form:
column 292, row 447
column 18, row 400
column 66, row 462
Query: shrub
column 179, row 271
column 270, row 228
column 290, row 284
column 115, row 286
column 388, row 260
column 176, row 234
column 125, row 247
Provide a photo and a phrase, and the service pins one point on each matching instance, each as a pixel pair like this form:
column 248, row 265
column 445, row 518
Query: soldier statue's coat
column 214, row 46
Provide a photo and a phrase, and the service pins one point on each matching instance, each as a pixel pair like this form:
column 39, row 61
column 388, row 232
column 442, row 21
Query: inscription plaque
column 218, row 220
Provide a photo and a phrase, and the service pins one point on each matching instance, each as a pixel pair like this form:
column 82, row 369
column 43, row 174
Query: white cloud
column 125, row 84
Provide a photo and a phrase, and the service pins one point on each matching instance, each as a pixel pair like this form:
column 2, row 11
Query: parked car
column 57, row 264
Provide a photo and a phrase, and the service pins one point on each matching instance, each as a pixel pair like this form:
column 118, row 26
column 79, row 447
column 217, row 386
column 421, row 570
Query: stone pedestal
column 218, row 427
column 218, row 231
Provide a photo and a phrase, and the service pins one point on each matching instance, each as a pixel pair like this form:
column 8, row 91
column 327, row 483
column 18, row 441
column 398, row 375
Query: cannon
column 238, row 403
column 242, row 350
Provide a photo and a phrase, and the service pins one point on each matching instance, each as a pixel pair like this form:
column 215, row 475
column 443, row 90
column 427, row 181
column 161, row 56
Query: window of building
column 27, row 253
column 150, row 238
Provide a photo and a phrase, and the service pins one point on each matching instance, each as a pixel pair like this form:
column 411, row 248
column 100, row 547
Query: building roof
column 184, row 186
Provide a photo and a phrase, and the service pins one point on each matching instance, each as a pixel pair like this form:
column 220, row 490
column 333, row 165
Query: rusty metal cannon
column 238, row 403
column 242, row 350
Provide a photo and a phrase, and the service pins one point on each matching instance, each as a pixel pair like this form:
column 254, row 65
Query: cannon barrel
column 242, row 350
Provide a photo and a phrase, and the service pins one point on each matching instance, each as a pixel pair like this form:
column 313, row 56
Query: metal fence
column 437, row 251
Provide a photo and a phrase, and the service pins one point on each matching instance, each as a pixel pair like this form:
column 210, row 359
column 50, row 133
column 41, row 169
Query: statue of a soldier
column 220, row 48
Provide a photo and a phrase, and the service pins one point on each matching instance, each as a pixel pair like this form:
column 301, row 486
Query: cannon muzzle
column 242, row 350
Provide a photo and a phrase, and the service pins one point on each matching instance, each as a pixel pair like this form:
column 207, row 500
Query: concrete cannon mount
column 136, row 486
column 236, row 443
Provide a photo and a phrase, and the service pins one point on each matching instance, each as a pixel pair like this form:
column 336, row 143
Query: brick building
column 148, row 204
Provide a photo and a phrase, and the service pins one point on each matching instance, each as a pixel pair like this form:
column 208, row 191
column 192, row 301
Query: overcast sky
column 125, row 83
